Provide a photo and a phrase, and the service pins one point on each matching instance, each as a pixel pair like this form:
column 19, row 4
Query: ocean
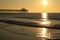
column 25, row 26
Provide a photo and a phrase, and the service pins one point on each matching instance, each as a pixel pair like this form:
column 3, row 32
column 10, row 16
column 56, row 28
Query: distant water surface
column 17, row 32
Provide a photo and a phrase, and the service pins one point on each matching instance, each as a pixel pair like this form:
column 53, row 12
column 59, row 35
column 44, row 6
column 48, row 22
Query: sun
column 44, row 2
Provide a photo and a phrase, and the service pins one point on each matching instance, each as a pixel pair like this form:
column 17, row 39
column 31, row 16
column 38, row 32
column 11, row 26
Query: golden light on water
column 44, row 21
column 44, row 15
column 44, row 32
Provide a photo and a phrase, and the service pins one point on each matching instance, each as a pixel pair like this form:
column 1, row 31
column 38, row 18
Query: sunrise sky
column 31, row 5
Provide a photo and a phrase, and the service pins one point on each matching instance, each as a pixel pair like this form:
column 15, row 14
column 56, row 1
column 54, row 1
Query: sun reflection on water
column 44, row 15
column 43, row 33
column 44, row 21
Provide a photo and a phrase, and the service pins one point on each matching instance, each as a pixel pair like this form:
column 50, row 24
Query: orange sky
column 31, row 5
